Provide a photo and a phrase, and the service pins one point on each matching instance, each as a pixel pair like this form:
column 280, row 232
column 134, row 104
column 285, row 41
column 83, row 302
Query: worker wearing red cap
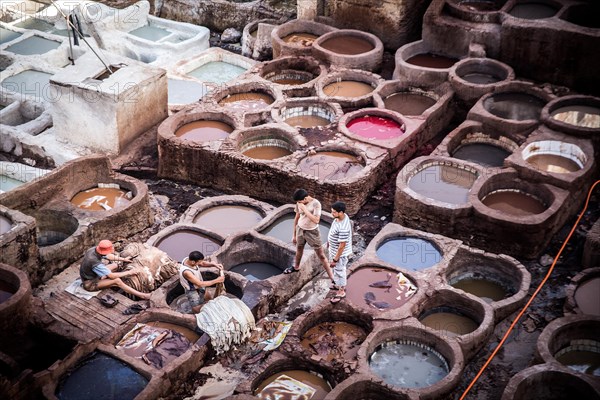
column 98, row 268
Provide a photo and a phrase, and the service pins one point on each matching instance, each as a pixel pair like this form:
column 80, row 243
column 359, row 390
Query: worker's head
column 196, row 256
column 300, row 195
column 105, row 247
column 338, row 207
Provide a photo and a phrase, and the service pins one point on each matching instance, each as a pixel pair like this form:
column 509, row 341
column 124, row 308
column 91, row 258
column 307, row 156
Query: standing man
column 97, row 270
column 306, row 230
column 191, row 279
column 339, row 242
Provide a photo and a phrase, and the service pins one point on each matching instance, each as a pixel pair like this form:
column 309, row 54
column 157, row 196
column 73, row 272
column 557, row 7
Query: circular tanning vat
column 372, row 124
column 409, row 357
column 409, row 102
column 501, row 282
column 419, row 62
column 554, row 156
column 296, row 37
column 104, row 197
column 349, row 88
column 266, row 143
column 246, row 97
column 475, row 10
column 583, row 293
column 198, row 127
column 483, row 150
column 577, row 115
column 573, row 342
column 443, row 181
column 374, row 287
column 179, row 240
column 225, row 219
column 15, row 300
column 292, row 379
column 548, row 382
column 471, row 78
column 307, row 113
column 100, row 375
column 54, row 227
column 515, row 201
column 331, row 164
column 410, row 252
column 350, row 48
column 518, row 106
column 296, row 73
column 362, row 387
column 582, row 15
column 177, row 300
column 533, row 10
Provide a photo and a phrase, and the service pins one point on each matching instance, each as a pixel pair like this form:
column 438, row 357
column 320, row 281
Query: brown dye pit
column 487, row 291
column 100, row 199
column 331, row 165
column 515, row 203
column 587, row 297
column 302, row 386
column 250, row 101
column 480, row 78
column 5, row 224
column 443, row 183
column 267, row 152
column 430, row 60
column 581, row 357
column 187, row 332
column 349, row 45
column 449, row 321
column 578, row 115
column 408, row 103
column 290, row 81
column 334, row 340
column 347, row 89
column 307, row 121
column 553, row 163
column 180, row 244
column 300, row 39
column 6, row 291
column 225, row 220
column 376, row 288
column 202, row 131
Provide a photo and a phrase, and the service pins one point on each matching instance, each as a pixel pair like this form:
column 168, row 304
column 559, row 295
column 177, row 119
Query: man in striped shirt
column 339, row 242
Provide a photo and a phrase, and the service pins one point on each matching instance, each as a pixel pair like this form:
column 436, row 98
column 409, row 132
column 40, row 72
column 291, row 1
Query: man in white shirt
column 306, row 230
column 339, row 242
column 191, row 279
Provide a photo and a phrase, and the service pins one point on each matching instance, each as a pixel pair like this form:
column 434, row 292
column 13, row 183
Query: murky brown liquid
column 290, row 81
column 515, row 203
column 578, row 115
column 408, row 103
column 92, row 199
column 587, row 296
column 330, row 165
column 532, row 10
column 443, row 183
column 6, row 291
column 430, row 60
column 202, row 131
column 180, row 244
column 486, row 290
column 381, row 298
column 480, row 78
column 553, row 163
column 225, row 220
column 249, row 101
column 266, row 152
column 187, row 332
column 5, row 224
column 287, row 392
column 300, row 39
column 334, row 340
column 450, row 323
column 307, row 121
column 350, row 45
column 583, row 361
column 347, row 89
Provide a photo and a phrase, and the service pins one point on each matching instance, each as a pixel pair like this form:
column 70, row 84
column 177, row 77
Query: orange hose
column 510, row 328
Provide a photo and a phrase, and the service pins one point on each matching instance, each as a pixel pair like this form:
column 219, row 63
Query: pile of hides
column 154, row 264
column 228, row 322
